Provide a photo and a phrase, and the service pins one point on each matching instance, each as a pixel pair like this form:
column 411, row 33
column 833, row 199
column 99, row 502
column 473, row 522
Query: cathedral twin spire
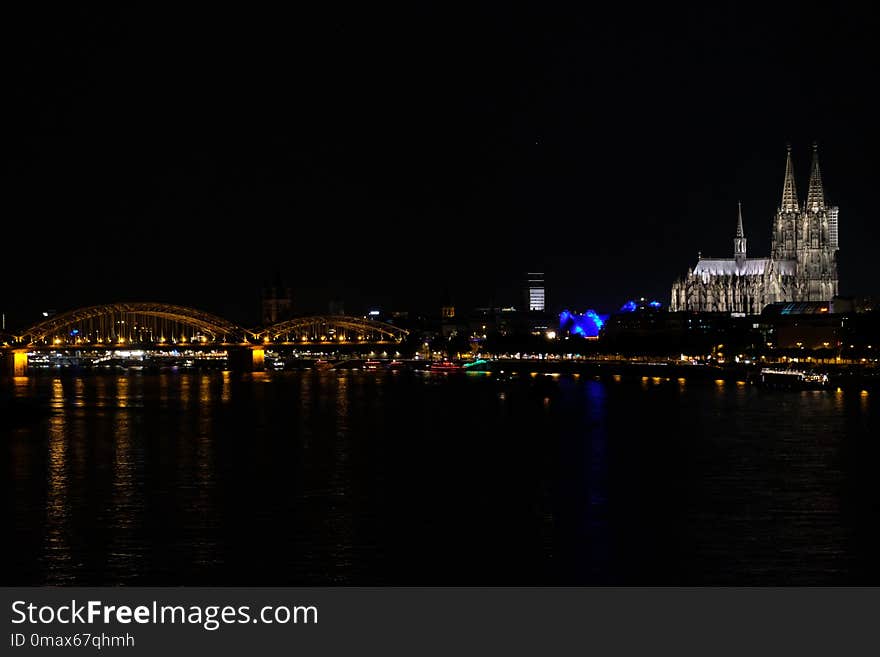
column 789, row 190
column 790, row 203
column 815, row 193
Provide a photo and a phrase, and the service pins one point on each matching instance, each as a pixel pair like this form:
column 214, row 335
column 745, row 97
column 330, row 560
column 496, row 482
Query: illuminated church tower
column 816, row 245
column 739, row 242
column 802, row 265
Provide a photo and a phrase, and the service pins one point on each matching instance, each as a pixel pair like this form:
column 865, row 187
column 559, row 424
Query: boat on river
column 793, row 378
column 445, row 367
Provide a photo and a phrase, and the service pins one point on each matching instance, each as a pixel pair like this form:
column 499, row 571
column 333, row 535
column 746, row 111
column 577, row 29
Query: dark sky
column 383, row 156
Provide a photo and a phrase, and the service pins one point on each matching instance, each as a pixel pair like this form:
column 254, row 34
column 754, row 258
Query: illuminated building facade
column 802, row 265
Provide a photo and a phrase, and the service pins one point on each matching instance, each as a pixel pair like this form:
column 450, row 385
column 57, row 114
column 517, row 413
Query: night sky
column 385, row 156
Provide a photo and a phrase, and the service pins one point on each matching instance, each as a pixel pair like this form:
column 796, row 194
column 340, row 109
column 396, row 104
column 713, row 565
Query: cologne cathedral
column 802, row 265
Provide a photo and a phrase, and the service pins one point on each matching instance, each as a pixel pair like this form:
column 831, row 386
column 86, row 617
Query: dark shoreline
column 839, row 376
column 846, row 377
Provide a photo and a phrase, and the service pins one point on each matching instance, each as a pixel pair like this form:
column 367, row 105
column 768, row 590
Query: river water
column 403, row 478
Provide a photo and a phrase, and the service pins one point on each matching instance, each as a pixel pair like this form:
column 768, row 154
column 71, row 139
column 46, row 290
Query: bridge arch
column 332, row 329
column 132, row 322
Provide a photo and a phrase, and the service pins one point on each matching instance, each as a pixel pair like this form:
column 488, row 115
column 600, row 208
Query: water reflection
column 304, row 393
column 22, row 386
column 78, row 393
column 339, row 519
column 184, row 383
column 365, row 478
column 126, row 504
column 597, row 481
column 226, row 390
column 122, row 392
column 202, row 507
column 56, row 547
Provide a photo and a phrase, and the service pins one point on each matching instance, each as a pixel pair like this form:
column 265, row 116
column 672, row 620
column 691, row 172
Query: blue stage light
column 587, row 325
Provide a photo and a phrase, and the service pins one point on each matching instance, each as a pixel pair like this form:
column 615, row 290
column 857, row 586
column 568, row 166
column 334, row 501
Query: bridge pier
column 14, row 362
column 248, row 358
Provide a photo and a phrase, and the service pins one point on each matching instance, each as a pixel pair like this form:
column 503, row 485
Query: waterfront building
column 802, row 265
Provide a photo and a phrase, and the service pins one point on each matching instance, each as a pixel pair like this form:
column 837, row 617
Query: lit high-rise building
column 535, row 291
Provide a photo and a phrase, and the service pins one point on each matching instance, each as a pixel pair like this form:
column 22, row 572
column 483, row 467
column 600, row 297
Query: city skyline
column 548, row 296
column 358, row 174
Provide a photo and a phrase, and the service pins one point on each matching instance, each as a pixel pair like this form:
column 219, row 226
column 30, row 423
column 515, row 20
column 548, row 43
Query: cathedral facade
column 802, row 265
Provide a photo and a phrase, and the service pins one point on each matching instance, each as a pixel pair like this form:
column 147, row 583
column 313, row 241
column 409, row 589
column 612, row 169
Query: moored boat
column 445, row 366
column 792, row 378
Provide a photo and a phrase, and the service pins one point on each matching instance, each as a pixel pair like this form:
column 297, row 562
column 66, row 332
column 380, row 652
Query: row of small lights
column 121, row 340
column 203, row 338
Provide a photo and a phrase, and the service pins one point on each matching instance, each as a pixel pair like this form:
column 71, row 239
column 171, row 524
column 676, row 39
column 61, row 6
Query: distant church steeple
column 789, row 191
column 739, row 242
column 816, row 193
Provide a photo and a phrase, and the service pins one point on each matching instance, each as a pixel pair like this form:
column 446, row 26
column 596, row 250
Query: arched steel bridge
column 161, row 323
column 332, row 328
column 131, row 322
